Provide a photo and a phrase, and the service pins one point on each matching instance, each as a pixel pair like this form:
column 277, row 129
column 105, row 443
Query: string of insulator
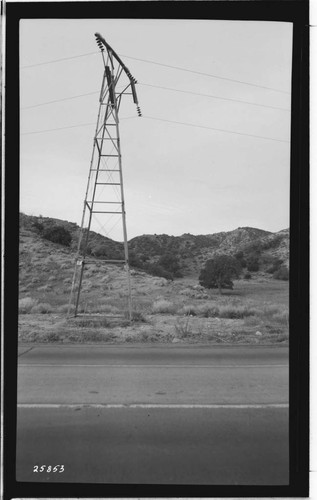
column 131, row 77
column 100, row 44
column 139, row 110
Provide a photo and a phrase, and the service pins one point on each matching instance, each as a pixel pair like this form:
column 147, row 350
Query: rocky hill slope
column 259, row 251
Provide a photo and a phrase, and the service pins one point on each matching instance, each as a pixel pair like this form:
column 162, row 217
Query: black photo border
column 296, row 12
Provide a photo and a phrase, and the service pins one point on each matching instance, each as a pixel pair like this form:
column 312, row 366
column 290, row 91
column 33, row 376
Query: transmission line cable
column 59, row 100
column 58, row 128
column 213, row 96
column 164, row 88
column 164, row 65
column 69, row 126
column 58, row 60
column 214, row 128
column 207, row 74
column 168, row 121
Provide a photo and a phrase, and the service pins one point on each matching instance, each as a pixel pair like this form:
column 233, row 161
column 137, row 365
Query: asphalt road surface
column 153, row 415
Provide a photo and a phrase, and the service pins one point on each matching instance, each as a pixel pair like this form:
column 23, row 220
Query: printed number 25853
column 48, row 468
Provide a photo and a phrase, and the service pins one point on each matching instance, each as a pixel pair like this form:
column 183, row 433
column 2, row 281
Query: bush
column 163, row 306
column 188, row 311
column 281, row 274
column 58, row 234
column 219, row 272
column 135, row 261
column 182, row 328
column 136, row 316
column 282, row 317
column 253, row 264
column 64, row 308
column 275, row 266
column 26, row 304
column 42, row 308
column 170, row 263
column 38, row 226
column 240, row 257
column 157, row 270
column 208, row 311
column 236, row 312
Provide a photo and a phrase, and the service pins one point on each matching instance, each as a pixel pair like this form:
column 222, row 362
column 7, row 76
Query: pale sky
column 177, row 178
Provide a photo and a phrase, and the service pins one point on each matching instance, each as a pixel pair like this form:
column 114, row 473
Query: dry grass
column 42, row 308
column 163, row 307
column 162, row 311
column 26, row 304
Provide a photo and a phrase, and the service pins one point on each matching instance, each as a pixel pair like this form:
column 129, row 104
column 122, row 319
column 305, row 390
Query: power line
column 58, row 60
column 67, row 127
column 207, row 74
column 214, row 97
column 214, row 128
column 167, row 121
column 164, row 88
column 59, row 100
column 161, row 64
column 59, row 128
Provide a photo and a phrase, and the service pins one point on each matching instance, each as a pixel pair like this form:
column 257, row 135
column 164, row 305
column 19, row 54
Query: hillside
column 268, row 250
column 164, row 310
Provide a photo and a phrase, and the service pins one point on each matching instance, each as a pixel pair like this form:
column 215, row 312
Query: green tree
column 219, row 272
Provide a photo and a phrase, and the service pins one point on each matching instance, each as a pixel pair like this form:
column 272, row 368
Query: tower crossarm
column 102, row 44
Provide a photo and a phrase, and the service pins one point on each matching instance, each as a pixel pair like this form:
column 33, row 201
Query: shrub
column 182, row 328
column 157, row 270
column 58, row 234
column 26, row 304
column 188, row 311
column 38, row 226
column 163, row 306
column 53, row 337
column 281, row 274
column 281, row 317
column 275, row 266
column 236, row 312
column 219, row 272
column 253, row 264
column 106, row 250
column 135, row 261
column 42, row 308
column 136, row 316
column 93, row 323
column 93, row 337
column 170, row 263
column 208, row 311
column 240, row 257
column 104, row 308
column 64, row 308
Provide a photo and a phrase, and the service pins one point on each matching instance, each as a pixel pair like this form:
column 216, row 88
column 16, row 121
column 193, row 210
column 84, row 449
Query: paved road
column 165, row 415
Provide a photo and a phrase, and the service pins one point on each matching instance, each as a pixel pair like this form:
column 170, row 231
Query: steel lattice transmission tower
column 104, row 193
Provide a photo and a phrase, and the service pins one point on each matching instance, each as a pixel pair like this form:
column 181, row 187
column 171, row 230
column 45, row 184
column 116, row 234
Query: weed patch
column 93, row 323
column 163, row 306
column 188, row 311
column 183, row 328
column 26, row 305
column 42, row 308
column 236, row 312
